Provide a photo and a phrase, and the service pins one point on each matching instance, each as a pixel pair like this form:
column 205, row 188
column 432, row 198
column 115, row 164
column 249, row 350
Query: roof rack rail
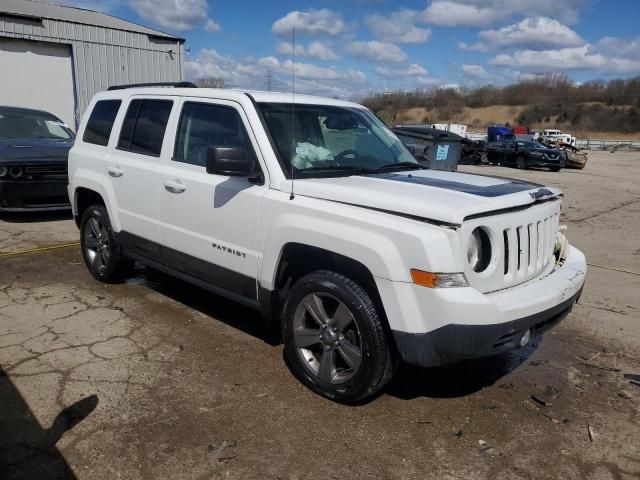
column 156, row 84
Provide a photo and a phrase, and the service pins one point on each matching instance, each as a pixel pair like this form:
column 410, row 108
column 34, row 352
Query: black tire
column 521, row 162
column 377, row 359
column 101, row 253
column 554, row 169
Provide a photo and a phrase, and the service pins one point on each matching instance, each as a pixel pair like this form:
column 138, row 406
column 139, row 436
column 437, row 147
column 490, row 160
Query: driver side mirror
column 232, row 161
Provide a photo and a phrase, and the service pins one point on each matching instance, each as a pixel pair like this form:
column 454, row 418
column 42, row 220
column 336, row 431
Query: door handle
column 115, row 171
column 174, row 186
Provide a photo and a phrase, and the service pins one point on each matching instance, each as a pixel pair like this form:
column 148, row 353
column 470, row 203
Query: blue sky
column 347, row 48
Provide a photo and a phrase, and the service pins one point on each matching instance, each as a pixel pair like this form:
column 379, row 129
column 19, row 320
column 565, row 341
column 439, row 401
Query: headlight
column 15, row 172
column 3, row 171
column 479, row 250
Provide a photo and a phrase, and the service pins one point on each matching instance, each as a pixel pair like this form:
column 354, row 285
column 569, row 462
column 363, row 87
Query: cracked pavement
column 155, row 378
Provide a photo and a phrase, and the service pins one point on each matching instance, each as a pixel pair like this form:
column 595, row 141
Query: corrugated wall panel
column 102, row 56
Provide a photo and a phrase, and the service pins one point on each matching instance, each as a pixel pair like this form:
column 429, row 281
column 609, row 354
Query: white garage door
column 37, row 75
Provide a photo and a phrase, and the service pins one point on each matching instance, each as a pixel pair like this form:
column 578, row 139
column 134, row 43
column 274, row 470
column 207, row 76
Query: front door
column 210, row 223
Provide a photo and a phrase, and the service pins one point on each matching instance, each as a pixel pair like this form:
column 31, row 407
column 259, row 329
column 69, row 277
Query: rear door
column 209, row 222
column 132, row 168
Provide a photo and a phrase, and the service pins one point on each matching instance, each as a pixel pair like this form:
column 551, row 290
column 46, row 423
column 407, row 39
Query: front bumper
column 544, row 161
column 33, row 195
column 438, row 326
column 452, row 343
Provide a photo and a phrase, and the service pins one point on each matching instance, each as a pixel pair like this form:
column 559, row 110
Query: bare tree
column 210, row 82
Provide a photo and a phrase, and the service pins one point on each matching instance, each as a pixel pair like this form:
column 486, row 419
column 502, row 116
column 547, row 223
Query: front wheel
column 554, row 169
column 334, row 338
column 100, row 249
column 521, row 162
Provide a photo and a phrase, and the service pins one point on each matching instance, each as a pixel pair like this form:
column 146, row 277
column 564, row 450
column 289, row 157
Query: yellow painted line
column 39, row 249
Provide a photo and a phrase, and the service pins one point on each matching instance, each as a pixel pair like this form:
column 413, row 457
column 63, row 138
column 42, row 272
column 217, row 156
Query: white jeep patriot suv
column 314, row 213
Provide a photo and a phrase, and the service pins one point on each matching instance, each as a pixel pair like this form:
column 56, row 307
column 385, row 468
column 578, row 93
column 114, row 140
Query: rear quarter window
column 100, row 123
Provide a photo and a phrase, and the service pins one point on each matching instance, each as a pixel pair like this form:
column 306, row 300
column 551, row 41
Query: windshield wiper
column 402, row 165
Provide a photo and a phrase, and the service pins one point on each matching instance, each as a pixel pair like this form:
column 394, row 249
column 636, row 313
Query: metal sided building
column 55, row 58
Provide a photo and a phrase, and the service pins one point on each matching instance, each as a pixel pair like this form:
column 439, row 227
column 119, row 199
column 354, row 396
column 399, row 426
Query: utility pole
column 269, row 76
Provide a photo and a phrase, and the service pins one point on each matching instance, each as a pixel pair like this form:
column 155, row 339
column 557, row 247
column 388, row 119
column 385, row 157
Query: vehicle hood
column 438, row 196
column 545, row 149
column 12, row 149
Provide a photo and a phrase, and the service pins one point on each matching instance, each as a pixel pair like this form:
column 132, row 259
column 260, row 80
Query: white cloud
column 286, row 48
column 534, row 33
column 174, row 15
column 399, row 27
column 251, row 73
column 413, row 70
column 578, row 58
column 321, row 51
column 316, row 49
column 482, row 13
column 212, row 26
column 454, row 13
column 585, row 57
column 375, row 51
column 619, row 47
column 310, row 71
column 311, row 22
column 474, row 72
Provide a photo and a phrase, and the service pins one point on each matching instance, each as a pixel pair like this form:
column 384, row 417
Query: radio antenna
column 293, row 108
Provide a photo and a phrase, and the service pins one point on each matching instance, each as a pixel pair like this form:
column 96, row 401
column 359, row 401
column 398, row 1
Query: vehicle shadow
column 409, row 382
column 27, row 450
column 232, row 313
column 457, row 379
column 26, row 217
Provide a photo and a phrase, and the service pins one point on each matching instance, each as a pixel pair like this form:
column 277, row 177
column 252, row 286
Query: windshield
column 320, row 139
column 24, row 124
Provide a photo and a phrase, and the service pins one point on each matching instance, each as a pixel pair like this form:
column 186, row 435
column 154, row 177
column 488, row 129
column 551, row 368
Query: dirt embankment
column 479, row 118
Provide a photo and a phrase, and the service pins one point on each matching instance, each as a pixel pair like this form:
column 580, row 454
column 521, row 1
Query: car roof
column 229, row 94
column 21, row 110
column 425, row 132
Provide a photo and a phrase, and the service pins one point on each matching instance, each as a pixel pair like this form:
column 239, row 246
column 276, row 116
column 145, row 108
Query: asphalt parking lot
column 155, row 378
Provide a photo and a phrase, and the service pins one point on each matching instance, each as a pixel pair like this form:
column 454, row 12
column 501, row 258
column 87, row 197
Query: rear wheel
column 334, row 338
column 521, row 162
column 100, row 249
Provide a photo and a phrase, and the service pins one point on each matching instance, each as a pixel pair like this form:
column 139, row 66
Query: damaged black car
column 34, row 148
column 524, row 154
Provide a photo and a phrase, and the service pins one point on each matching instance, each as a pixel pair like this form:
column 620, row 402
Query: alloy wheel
column 327, row 338
column 96, row 244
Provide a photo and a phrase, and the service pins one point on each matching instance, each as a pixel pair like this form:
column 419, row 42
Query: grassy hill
column 595, row 109
column 481, row 117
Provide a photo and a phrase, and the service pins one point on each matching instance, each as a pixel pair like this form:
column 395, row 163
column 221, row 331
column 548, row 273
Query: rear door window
column 100, row 123
column 144, row 126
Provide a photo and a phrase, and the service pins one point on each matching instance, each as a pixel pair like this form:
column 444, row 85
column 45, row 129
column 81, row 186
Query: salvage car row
column 444, row 150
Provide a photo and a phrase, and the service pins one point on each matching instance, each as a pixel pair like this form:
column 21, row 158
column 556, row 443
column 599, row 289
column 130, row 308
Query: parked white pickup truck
column 317, row 215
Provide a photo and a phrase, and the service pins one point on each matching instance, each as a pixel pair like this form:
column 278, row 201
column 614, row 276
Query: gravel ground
column 155, row 378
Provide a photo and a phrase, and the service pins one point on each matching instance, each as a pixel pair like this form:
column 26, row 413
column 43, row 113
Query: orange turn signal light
column 438, row 280
column 424, row 279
